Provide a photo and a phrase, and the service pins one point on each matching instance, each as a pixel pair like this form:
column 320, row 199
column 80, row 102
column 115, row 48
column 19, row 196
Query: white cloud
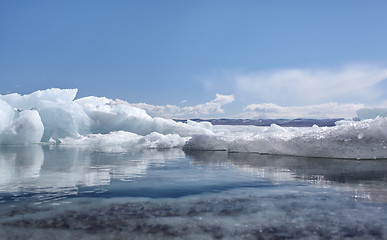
column 327, row 110
column 352, row 83
column 170, row 111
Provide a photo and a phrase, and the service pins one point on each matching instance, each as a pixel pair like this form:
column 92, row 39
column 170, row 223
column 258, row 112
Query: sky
column 248, row 59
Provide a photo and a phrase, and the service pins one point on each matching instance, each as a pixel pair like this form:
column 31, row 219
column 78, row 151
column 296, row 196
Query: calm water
column 64, row 192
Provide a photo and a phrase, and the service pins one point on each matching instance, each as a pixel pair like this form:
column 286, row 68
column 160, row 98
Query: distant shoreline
column 299, row 122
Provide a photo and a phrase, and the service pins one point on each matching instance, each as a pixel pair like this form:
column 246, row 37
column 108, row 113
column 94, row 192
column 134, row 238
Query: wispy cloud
column 327, row 110
column 169, row 111
column 297, row 86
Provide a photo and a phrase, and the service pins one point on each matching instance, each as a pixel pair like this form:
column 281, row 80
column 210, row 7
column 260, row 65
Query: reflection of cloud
column 327, row 110
column 296, row 86
column 212, row 107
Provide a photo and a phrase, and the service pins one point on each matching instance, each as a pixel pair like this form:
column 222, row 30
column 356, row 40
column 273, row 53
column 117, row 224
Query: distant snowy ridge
column 53, row 117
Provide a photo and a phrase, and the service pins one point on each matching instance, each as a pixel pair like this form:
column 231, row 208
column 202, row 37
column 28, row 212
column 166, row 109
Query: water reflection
column 251, row 195
column 19, row 164
column 366, row 179
column 52, row 172
column 57, row 171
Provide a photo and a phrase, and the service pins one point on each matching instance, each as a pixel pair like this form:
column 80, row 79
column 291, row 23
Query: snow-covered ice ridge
column 53, row 116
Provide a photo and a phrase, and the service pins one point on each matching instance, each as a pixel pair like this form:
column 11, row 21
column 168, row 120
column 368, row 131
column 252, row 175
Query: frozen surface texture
column 53, row 116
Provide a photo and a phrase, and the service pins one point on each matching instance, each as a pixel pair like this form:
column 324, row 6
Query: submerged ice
column 54, row 116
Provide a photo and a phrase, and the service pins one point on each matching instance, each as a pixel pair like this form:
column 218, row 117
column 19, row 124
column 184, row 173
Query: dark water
column 66, row 192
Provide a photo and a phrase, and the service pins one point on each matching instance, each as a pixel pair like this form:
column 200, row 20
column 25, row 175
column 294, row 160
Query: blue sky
column 284, row 53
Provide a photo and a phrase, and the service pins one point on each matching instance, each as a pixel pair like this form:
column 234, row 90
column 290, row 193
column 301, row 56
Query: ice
column 27, row 128
column 29, row 101
column 108, row 116
column 56, row 112
column 63, row 120
column 6, row 115
column 365, row 139
column 53, row 116
column 121, row 141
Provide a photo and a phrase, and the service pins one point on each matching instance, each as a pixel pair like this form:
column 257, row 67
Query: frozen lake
column 66, row 191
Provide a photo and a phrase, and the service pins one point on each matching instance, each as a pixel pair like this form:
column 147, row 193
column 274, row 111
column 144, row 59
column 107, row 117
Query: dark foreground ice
column 67, row 193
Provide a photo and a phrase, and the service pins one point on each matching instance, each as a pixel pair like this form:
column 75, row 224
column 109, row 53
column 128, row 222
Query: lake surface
column 54, row 191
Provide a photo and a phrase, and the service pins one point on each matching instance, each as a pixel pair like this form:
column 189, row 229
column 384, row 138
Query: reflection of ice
column 225, row 159
column 19, row 164
column 55, row 171
column 365, row 179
